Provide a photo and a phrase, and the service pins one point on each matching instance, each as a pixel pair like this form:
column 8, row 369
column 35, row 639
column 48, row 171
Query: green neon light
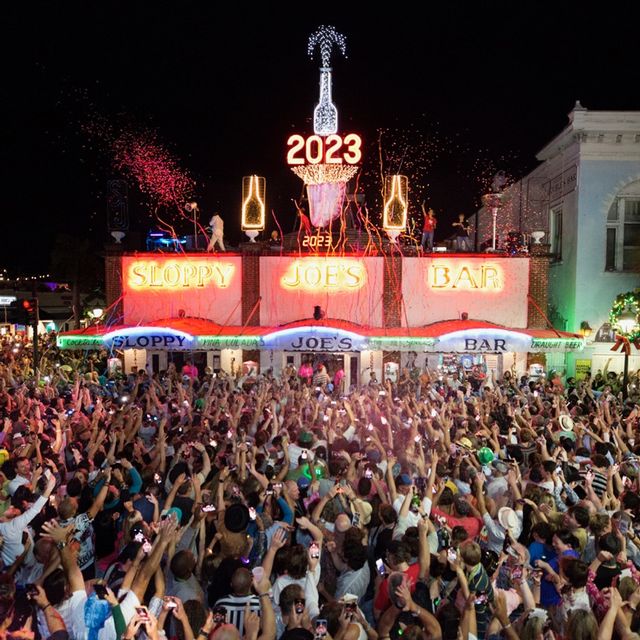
column 554, row 343
column 79, row 342
column 400, row 341
column 239, row 341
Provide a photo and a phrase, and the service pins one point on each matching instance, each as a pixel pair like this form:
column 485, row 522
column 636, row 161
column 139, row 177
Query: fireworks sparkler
column 324, row 39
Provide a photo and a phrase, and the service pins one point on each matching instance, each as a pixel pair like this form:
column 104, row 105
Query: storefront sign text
column 148, row 338
column 314, row 339
column 322, row 344
column 484, row 341
column 559, row 344
column 151, row 274
column 331, row 274
column 496, row 345
column 447, row 276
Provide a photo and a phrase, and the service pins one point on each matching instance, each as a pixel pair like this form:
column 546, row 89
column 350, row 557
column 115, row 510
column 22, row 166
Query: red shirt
column 190, row 370
column 470, row 523
column 382, row 600
column 429, row 224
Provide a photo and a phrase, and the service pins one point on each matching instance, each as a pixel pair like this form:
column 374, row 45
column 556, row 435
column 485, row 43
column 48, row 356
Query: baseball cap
column 403, row 479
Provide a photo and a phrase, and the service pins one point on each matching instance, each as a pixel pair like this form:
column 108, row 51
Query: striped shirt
column 235, row 608
column 599, row 482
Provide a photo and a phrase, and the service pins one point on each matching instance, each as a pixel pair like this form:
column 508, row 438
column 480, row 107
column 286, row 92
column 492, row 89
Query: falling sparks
column 320, row 173
column 155, row 170
column 140, row 156
column 324, row 38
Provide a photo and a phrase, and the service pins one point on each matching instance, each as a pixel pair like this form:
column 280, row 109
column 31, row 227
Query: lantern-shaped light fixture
column 396, row 205
column 253, row 205
column 627, row 321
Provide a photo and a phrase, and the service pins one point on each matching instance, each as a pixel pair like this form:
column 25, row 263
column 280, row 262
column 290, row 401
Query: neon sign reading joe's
column 332, row 274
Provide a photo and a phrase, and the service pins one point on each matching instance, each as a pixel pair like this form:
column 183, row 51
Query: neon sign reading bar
column 487, row 277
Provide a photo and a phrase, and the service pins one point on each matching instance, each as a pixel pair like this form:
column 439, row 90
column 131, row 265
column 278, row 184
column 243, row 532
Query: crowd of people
column 194, row 504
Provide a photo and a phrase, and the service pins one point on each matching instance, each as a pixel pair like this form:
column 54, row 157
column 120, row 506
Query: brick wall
column 392, row 294
column 113, row 282
column 538, row 286
column 250, row 294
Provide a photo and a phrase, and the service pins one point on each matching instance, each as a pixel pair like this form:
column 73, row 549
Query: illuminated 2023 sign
column 318, row 241
column 447, row 276
column 333, row 149
column 173, row 274
column 331, row 274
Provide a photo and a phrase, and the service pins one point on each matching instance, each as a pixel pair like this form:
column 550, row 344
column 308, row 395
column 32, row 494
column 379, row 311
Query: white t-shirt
column 310, row 585
column 72, row 612
column 412, row 518
column 295, row 451
column 18, row 481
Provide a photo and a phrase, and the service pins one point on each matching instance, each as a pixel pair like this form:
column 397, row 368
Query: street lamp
column 627, row 321
column 624, row 317
column 585, row 329
column 493, row 202
column 95, row 315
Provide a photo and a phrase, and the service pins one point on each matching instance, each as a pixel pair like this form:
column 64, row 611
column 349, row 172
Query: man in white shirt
column 23, row 474
column 12, row 525
column 304, row 444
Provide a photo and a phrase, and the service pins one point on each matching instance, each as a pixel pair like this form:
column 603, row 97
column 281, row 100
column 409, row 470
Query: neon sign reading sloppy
column 487, row 277
column 151, row 274
column 340, row 274
column 148, row 338
column 329, row 150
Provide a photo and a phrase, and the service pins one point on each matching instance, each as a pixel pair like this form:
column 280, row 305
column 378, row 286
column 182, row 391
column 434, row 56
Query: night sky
column 458, row 93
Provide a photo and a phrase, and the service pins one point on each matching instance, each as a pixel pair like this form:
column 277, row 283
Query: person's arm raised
column 278, row 540
column 62, row 537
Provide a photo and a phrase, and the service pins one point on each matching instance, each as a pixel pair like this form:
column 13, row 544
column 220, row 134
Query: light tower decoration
column 253, row 205
column 494, row 201
column 117, row 209
column 396, row 204
column 325, row 161
column 325, row 115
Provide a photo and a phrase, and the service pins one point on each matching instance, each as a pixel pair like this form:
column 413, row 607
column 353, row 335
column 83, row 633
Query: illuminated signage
column 396, row 203
column 331, row 274
column 333, row 149
column 174, row 274
column 7, row 300
column 148, row 338
column 446, row 276
column 253, row 203
column 318, row 241
column 79, row 342
column 484, row 341
column 557, row 344
column 314, row 339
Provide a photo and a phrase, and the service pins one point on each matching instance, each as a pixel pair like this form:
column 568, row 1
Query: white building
column 585, row 196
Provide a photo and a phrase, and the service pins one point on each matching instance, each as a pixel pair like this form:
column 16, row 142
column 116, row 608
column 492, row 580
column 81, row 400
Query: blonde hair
column 598, row 523
column 582, row 625
column 532, row 629
column 471, row 553
column 626, row 587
